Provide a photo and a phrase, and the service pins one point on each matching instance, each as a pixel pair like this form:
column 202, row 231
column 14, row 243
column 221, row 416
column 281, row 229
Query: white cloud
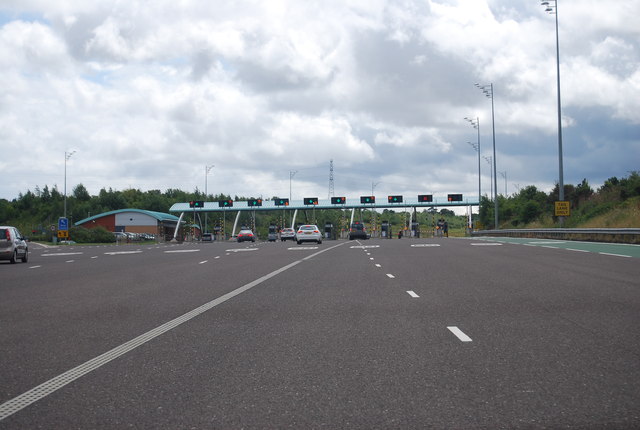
column 148, row 96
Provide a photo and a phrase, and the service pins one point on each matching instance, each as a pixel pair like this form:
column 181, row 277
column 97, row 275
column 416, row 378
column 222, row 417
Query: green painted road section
column 614, row 249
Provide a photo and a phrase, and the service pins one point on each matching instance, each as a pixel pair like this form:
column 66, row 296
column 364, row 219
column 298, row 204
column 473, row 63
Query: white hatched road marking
column 412, row 294
column 459, row 334
column 377, row 265
column 390, row 275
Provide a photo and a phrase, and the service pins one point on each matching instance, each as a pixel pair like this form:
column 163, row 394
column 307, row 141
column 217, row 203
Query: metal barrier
column 614, row 235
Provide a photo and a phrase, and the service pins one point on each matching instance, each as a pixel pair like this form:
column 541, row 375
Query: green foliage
column 531, row 206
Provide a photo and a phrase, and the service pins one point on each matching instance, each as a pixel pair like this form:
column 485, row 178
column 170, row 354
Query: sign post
column 562, row 208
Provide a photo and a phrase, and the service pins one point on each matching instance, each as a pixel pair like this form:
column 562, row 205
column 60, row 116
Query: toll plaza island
column 201, row 209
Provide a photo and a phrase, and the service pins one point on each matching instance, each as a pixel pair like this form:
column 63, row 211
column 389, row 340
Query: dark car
column 13, row 245
column 246, row 235
column 358, row 231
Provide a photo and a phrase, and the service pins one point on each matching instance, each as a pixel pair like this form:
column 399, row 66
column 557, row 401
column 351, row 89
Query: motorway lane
column 335, row 342
column 61, row 314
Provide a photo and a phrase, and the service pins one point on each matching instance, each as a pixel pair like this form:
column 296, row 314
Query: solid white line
column 412, row 294
column 390, row 275
column 459, row 334
column 12, row 406
column 614, row 255
column 122, row 252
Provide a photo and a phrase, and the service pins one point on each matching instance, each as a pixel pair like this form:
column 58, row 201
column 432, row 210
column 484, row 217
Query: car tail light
column 7, row 235
column 316, row 231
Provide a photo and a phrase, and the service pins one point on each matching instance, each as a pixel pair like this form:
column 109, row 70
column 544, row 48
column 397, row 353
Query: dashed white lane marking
column 614, row 255
column 427, row 245
column 486, row 244
column 364, row 246
column 70, row 261
column 302, row 248
column 202, row 262
column 412, row 294
column 390, row 275
column 371, row 258
column 122, row 252
column 576, row 250
column 62, row 254
column 177, row 251
column 20, row 402
column 95, row 256
column 218, row 256
column 239, row 250
column 459, row 334
column 34, row 267
column 377, row 265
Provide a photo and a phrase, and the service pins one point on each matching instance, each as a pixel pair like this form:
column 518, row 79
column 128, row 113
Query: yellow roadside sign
column 562, row 208
column 63, row 234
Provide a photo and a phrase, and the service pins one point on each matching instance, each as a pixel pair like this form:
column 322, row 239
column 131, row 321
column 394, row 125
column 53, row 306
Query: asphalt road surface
column 410, row 333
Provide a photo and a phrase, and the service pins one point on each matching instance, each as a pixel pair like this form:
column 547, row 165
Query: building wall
column 108, row 222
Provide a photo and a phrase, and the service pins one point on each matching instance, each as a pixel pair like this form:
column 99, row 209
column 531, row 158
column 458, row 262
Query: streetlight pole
column 476, row 124
column 488, row 160
column 67, row 155
column 504, row 175
column 292, row 173
column 488, row 91
column 207, row 169
column 553, row 10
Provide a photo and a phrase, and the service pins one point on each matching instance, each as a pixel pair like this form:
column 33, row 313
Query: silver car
column 13, row 245
column 308, row 233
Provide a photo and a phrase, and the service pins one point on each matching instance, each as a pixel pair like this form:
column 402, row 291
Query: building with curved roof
column 133, row 221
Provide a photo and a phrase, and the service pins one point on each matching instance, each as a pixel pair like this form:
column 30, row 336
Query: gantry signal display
column 310, row 200
column 254, row 202
column 338, row 200
column 367, row 199
column 425, row 198
column 225, row 203
column 281, row 202
column 454, row 197
column 196, row 204
column 395, row 199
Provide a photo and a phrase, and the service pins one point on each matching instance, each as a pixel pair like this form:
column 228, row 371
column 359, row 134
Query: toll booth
column 415, row 229
column 385, row 230
column 328, row 230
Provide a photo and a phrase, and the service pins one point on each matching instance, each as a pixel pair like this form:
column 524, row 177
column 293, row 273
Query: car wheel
column 319, row 242
column 25, row 258
column 299, row 242
column 14, row 257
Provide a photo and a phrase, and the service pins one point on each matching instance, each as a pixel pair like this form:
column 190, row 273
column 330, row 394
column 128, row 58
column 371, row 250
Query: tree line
column 35, row 211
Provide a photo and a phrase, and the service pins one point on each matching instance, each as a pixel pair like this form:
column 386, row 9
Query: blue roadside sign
column 63, row 224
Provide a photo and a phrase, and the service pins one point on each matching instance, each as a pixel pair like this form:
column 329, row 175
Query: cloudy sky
column 149, row 93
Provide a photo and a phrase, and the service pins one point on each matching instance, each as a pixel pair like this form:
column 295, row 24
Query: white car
column 287, row 234
column 308, row 233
